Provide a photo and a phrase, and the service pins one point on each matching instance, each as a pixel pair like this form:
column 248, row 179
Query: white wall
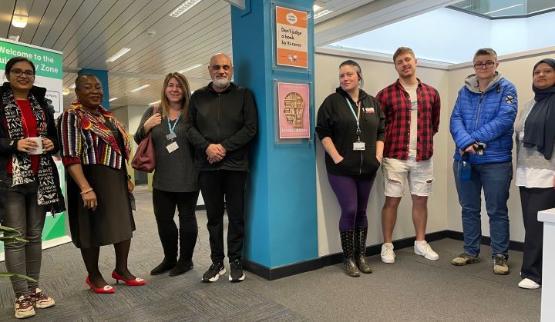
column 377, row 75
column 443, row 206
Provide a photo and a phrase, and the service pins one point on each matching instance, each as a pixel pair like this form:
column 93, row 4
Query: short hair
column 80, row 77
column 485, row 52
column 184, row 84
column 403, row 50
column 356, row 66
column 15, row 60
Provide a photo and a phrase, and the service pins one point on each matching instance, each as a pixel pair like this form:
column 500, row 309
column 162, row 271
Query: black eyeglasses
column 18, row 72
column 487, row 64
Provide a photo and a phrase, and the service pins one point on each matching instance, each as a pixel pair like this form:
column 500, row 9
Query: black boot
column 347, row 239
column 182, row 266
column 360, row 249
column 163, row 267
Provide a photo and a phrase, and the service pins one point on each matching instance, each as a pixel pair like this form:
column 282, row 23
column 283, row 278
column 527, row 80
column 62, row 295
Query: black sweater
column 336, row 121
column 228, row 118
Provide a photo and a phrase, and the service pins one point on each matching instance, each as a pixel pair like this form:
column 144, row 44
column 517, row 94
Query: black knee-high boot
column 360, row 250
column 347, row 243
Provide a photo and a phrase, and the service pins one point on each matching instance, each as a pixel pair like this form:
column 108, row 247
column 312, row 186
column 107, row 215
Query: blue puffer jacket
column 486, row 117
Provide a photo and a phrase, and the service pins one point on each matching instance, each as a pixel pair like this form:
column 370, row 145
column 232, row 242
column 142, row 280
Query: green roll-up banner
column 49, row 74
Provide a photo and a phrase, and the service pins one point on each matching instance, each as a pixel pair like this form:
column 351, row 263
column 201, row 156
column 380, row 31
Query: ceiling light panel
column 19, row 21
column 184, row 7
column 322, row 13
column 117, row 55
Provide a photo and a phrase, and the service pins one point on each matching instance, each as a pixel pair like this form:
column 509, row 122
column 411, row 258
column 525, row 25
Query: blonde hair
column 184, row 84
column 403, row 50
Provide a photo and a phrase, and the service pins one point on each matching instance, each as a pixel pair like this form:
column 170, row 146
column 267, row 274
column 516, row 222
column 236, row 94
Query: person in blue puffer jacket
column 482, row 128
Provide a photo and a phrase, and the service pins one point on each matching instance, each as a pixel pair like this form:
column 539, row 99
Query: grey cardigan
column 174, row 172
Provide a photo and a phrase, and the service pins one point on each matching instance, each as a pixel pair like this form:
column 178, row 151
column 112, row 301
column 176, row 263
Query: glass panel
column 505, row 8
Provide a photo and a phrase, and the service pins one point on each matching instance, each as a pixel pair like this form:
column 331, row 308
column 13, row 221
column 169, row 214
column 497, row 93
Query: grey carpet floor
column 412, row 289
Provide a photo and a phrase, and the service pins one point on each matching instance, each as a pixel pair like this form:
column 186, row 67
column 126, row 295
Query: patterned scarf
column 22, row 172
column 94, row 121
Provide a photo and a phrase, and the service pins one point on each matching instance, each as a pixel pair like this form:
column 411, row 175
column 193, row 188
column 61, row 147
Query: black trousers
column 534, row 200
column 165, row 203
column 215, row 186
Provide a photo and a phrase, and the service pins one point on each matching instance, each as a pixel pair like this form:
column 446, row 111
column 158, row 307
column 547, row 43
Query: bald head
column 220, row 57
column 221, row 71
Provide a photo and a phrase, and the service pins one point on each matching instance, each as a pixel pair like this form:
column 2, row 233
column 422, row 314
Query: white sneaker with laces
column 422, row 248
column 388, row 255
column 528, row 284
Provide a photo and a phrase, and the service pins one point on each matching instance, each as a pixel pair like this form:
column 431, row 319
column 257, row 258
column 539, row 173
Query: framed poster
column 291, row 37
column 293, row 110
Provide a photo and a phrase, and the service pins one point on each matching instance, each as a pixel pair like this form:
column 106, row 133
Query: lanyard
column 357, row 116
column 172, row 128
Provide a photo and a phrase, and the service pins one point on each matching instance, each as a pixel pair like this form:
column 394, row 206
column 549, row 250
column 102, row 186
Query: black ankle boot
column 182, row 266
column 360, row 250
column 347, row 239
column 163, row 267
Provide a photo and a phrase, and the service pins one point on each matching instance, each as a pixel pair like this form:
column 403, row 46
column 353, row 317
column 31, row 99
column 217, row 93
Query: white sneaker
column 388, row 255
column 528, row 284
column 422, row 248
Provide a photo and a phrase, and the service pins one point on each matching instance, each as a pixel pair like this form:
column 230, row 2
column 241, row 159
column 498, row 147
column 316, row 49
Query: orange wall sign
column 291, row 37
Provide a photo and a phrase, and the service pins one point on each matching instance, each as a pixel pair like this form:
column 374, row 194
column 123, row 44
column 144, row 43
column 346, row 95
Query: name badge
column 369, row 110
column 172, row 147
column 359, row 146
column 170, row 136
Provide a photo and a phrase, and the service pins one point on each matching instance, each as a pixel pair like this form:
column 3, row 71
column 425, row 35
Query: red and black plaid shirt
column 396, row 106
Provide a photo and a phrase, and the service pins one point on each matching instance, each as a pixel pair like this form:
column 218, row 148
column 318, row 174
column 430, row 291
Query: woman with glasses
column 29, row 185
column 535, row 167
column 175, row 177
column 95, row 148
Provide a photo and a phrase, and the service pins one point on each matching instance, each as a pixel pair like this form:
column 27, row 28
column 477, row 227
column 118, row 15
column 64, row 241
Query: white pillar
column 548, row 275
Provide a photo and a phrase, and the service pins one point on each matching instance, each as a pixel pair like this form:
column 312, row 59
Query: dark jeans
column 495, row 179
column 165, row 203
column 24, row 214
column 534, row 200
column 352, row 194
column 215, row 185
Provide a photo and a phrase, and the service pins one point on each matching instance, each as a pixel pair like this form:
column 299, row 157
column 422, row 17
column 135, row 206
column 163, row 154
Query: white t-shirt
column 411, row 90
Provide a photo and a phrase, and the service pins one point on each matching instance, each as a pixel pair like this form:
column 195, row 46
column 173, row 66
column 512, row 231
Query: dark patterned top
column 87, row 140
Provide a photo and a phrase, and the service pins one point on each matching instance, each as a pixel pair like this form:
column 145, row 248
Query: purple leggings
column 352, row 194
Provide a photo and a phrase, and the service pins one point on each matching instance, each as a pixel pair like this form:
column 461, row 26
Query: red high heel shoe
column 137, row 281
column 107, row 289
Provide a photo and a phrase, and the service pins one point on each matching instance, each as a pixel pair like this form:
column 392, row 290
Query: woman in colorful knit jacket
column 95, row 149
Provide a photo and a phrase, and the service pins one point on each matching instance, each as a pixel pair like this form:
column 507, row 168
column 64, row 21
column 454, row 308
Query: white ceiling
column 88, row 32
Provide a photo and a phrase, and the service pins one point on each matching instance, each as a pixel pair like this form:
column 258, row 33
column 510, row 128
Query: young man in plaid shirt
column 411, row 111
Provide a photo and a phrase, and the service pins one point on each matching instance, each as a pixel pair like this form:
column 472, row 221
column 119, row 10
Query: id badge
column 172, row 147
column 359, row 146
column 170, row 136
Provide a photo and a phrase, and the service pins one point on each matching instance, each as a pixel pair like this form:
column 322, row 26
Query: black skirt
column 112, row 221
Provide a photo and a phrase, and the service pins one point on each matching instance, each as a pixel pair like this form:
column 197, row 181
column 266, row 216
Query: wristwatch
column 13, row 144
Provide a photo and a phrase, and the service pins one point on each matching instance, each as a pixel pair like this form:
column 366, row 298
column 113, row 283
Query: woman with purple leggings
column 351, row 128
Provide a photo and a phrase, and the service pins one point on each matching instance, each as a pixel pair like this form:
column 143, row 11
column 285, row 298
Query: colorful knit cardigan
column 87, row 140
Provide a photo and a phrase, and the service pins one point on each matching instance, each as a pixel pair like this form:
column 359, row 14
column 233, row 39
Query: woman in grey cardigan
column 535, row 170
column 175, row 177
